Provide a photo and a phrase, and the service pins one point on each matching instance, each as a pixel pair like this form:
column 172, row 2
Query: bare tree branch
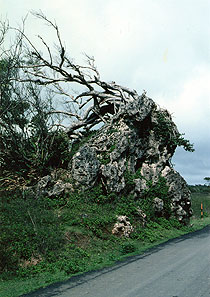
column 97, row 103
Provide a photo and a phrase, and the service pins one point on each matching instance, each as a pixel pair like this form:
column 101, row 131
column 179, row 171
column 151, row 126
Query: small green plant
column 166, row 130
column 160, row 190
column 111, row 131
column 127, row 206
column 127, row 248
column 129, row 179
column 105, row 158
column 112, row 148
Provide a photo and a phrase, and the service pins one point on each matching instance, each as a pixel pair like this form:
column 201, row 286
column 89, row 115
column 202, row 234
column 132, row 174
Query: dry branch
column 97, row 103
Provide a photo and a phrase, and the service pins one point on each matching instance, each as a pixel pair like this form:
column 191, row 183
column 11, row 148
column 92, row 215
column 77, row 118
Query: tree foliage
column 207, row 180
column 27, row 138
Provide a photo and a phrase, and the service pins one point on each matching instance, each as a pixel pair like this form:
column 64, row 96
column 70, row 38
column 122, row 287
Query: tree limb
column 99, row 97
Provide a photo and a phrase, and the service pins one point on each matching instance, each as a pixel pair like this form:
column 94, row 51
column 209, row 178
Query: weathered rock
column 52, row 188
column 59, row 188
column 136, row 144
column 113, row 174
column 158, row 205
column 43, row 185
column 179, row 194
column 142, row 216
column 85, row 166
column 123, row 227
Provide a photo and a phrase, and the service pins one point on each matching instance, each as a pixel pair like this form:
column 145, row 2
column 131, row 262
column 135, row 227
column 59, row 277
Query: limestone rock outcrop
column 131, row 152
column 51, row 187
column 122, row 227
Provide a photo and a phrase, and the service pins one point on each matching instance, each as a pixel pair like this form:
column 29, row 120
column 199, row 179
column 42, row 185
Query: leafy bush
column 160, row 190
column 55, row 152
column 98, row 195
column 127, row 247
column 165, row 129
column 127, row 206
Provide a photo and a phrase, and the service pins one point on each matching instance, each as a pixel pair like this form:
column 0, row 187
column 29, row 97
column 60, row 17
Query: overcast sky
column 161, row 46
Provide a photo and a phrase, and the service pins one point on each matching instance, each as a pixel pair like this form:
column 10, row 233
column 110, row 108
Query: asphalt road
column 178, row 268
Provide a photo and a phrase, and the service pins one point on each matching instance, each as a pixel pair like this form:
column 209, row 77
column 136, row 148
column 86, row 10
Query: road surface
column 178, row 268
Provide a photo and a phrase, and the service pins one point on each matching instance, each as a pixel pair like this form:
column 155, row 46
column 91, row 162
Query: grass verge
column 19, row 286
column 86, row 247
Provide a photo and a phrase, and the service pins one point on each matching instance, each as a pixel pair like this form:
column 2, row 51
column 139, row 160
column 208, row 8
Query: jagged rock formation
column 158, row 205
column 52, row 187
column 142, row 217
column 131, row 152
column 123, row 227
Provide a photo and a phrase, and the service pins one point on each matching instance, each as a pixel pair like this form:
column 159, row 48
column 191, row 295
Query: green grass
column 89, row 244
column 19, row 286
column 197, row 199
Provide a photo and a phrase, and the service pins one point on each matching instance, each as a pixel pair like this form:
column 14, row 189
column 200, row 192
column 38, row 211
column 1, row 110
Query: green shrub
column 71, row 260
column 160, row 190
column 127, row 206
column 165, row 129
column 127, row 247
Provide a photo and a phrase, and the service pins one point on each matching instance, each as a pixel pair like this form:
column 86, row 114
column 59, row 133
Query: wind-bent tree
column 97, row 100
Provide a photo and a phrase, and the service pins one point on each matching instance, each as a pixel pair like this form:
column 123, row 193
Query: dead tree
column 97, row 101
